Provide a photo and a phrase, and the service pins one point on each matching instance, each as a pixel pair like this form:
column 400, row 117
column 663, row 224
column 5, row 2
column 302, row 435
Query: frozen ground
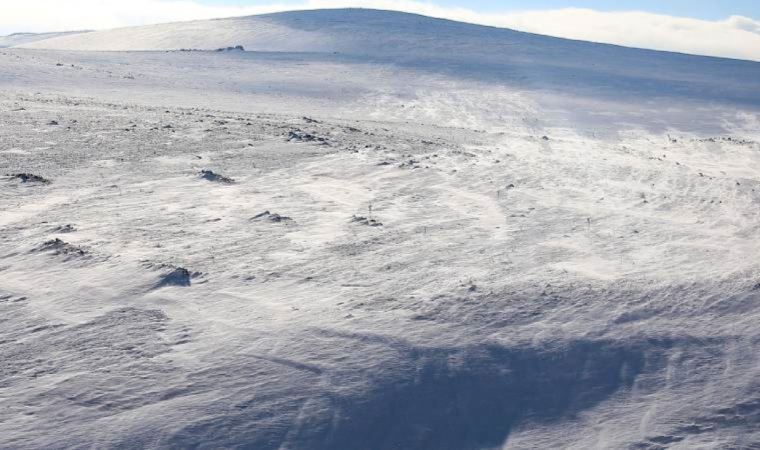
column 390, row 252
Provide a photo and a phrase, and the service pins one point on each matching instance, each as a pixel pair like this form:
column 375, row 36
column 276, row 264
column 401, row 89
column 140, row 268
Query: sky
column 727, row 28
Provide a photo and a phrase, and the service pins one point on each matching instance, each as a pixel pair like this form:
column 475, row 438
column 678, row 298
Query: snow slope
column 629, row 85
column 553, row 246
column 18, row 39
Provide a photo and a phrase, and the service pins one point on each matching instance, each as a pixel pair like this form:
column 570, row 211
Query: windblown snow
column 18, row 39
column 375, row 230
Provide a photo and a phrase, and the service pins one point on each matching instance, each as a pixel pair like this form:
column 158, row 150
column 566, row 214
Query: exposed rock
column 215, row 177
column 29, row 178
column 60, row 247
column 366, row 221
column 276, row 218
column 68, row 228
column 237, row 48
column 177, row 277
column 302, row 136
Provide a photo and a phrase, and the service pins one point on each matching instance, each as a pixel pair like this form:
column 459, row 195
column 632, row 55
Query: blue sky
column 700, row 9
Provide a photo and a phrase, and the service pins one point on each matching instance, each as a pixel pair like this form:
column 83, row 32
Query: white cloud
column 57, row 15
column 744, row 23
column 737, row 37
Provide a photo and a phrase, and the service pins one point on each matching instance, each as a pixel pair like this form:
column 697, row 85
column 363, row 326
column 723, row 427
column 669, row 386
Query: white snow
column 567, row 256
column 18, row 39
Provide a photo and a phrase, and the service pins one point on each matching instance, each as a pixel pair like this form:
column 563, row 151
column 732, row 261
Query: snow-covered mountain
column 375, row 230
column 634, row 79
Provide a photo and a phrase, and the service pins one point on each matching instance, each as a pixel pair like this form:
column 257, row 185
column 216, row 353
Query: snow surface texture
column 18, row 39
column 412, row 247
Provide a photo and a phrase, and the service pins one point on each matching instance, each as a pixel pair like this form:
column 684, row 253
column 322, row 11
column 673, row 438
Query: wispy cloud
column 736, row 37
